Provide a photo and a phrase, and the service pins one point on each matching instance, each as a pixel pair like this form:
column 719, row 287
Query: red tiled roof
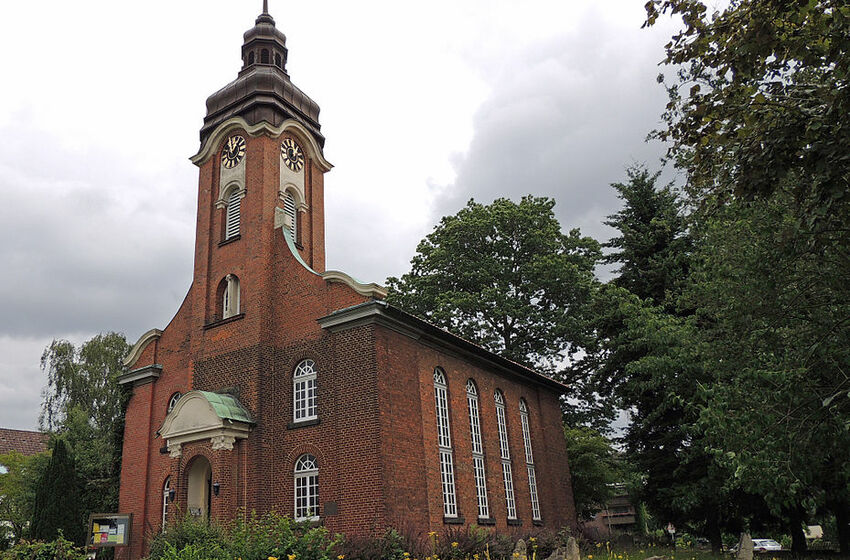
column 22, row 441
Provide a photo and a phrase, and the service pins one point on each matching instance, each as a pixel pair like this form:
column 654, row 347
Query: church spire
column 265, row 17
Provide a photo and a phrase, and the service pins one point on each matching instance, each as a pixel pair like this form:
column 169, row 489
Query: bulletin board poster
column 109, row 529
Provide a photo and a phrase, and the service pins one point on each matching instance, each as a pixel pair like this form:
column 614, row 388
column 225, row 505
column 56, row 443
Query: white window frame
column 305, row 388
column 444, row 443
column 166, row 495
column 505, row 453
column 529, row 461
column 172, row 401
column 306, row 488
column 478, row 469
column 231, row 299
column 232, row 214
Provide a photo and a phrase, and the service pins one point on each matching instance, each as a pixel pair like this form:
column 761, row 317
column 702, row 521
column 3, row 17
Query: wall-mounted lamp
column 171, row 495
column 216, row 488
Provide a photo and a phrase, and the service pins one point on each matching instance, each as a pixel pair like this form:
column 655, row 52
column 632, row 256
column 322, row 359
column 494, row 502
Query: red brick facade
column 375, row 439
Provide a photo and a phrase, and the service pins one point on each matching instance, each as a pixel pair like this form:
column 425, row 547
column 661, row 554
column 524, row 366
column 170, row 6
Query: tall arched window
column 507, row 475
column 264, row 56
column 306, row 488
column 529, row 460
column 230, row 297
column 304, row 405
column 278, row 61
column 477, row 450
column 250, row 58
column 166, row 498
column 232, row 214
column 290, row 210
column 444, row 444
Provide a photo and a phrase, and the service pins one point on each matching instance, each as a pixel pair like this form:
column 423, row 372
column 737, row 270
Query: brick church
column 282, row 385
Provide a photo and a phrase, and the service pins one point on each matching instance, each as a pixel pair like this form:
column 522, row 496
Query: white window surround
column 478, row 470
column 529, row 460
column 306, row 488
column 231, row 304
column 444, row 444
column 232, row 188
column 505, row 452
column 304, row 391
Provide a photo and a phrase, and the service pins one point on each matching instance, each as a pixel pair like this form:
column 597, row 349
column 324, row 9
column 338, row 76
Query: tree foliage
column 56, row 508
column 505, row 277
column 84, row 405
column 594, row 469
column 761, row 98
column 17, row 489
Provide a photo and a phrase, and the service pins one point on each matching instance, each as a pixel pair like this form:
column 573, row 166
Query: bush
column 251, row 537
column 58, row 549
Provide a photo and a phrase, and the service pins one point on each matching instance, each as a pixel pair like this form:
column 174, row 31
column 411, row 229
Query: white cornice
column 235, row 123
column 370, row 290
column 140, row 346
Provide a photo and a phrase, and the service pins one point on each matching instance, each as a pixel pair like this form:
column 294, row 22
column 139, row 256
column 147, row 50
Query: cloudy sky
column 424, row 105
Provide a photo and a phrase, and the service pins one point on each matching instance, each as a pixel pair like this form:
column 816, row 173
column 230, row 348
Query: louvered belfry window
column 289, row 208
column 234, row 203
column 507, row 474
column 529, row 460
column 444, row 444
column 477, row 450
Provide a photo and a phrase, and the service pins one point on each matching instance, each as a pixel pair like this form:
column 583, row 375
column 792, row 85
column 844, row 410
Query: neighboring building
column 24, row 442
column 279, row 384
column 618, row 516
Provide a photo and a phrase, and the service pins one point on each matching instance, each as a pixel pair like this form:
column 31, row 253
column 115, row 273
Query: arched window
column 289, row 209
column 505, row 452
column 278, row 61
column 304, row 405
column 251, row 58
column 166, row 498
column 444, row 443
column 232, row 214
column 477, row 450
column 264, row 56
column 529, row 460
column 172, row 401
column 306, row 488
column 230, row 298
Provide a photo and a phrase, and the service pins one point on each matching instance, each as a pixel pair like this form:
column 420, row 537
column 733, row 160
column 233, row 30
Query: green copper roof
column 227, row 407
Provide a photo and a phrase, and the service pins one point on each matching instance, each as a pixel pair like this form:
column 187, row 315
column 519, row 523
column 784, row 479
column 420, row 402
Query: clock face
column 233, row 152
column 292, row 155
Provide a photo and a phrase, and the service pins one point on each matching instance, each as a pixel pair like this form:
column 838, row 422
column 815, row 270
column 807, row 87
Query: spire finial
column 265, row 6
column 265, row 17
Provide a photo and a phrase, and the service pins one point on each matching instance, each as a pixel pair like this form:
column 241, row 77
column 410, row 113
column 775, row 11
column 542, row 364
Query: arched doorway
column 199, row 484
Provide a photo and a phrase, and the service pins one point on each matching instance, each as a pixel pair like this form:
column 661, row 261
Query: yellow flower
column 590, row 557
column 407, row 555
column 454, row 544
column 599, row 545
column 432, row 533
column 532, row 539
column 291, row 556
column 340, row 557
column 270, row 558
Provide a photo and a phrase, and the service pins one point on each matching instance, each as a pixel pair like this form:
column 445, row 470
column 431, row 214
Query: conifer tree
column 57, row 499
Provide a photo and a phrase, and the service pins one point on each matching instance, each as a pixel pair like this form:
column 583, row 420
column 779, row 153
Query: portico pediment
column 201, row 415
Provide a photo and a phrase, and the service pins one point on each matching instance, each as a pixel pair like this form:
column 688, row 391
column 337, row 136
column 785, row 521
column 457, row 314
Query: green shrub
column 58, row 549
column 251, row 537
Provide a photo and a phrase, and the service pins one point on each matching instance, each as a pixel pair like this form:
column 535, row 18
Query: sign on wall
column 109, row 529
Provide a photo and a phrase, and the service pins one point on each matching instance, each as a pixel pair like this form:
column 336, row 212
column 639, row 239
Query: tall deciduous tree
column 506, row 277
column 57, row 506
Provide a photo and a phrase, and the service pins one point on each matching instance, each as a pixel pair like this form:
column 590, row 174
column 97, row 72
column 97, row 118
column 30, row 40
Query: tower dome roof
column 263, row 90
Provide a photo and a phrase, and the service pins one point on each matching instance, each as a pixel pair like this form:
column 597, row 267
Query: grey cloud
column 565, row 120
